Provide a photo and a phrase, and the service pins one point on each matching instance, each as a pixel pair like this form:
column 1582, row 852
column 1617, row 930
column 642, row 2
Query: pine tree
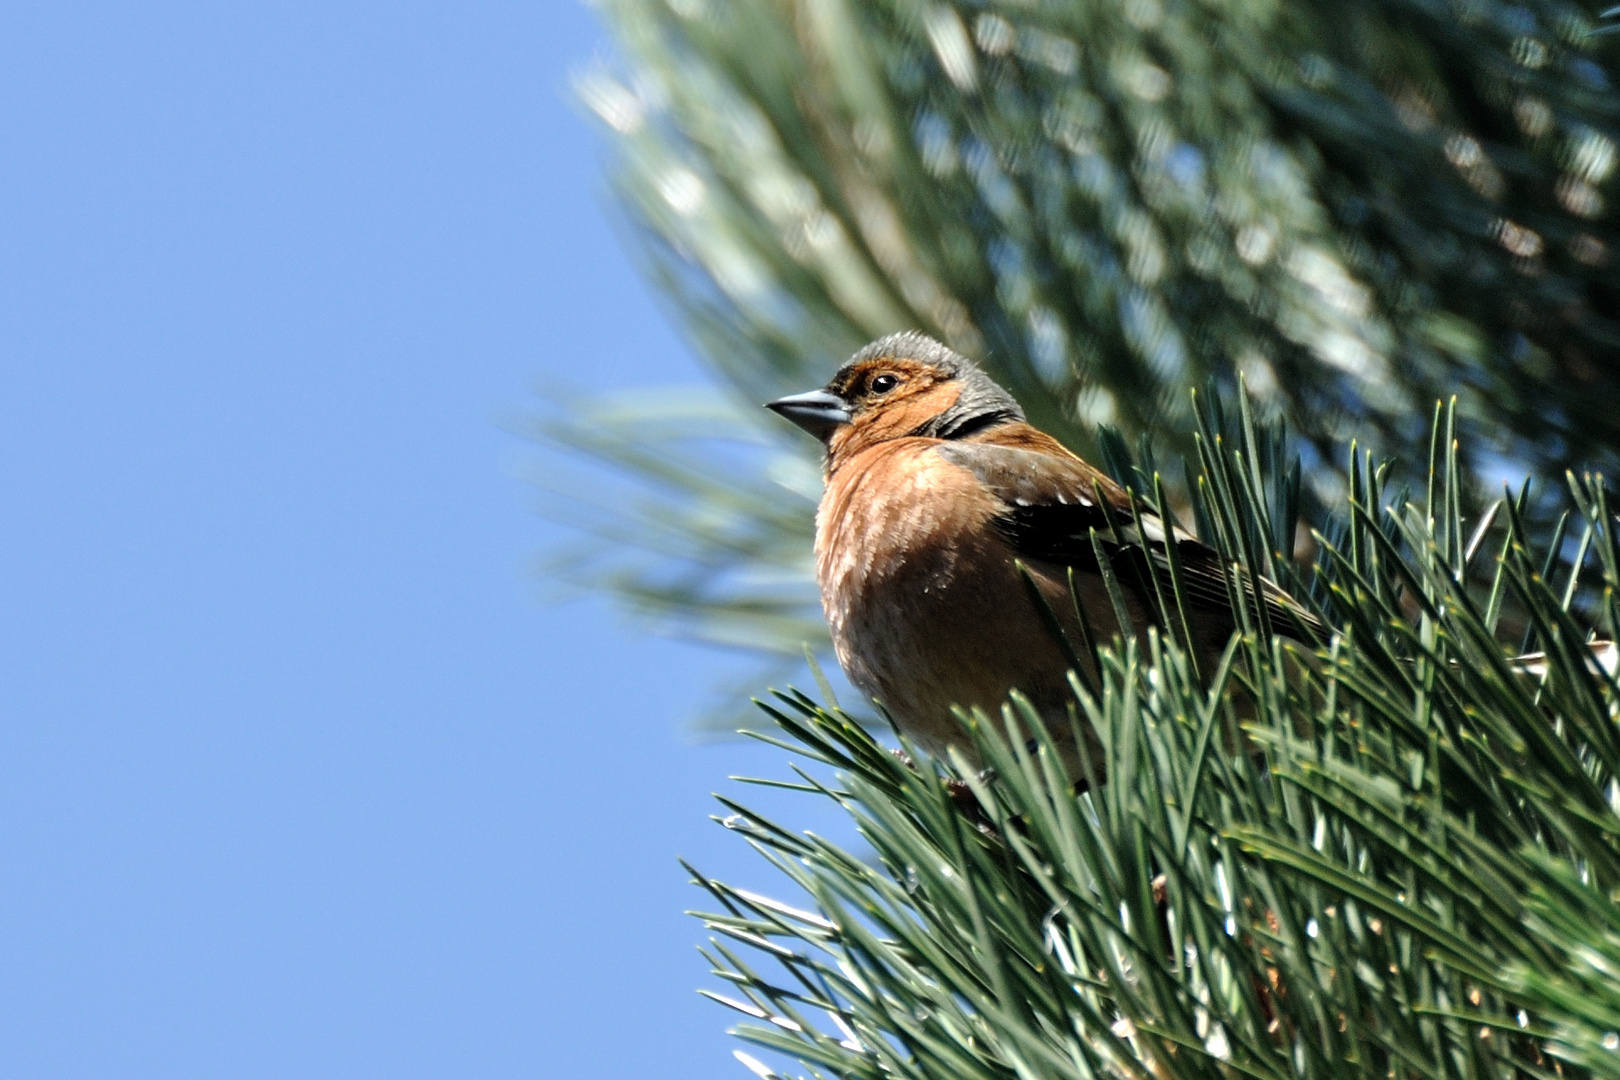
column 1409, row 870
column 1357, row 207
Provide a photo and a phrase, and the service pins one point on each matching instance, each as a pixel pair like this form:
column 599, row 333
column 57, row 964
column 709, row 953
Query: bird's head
column 902, row 385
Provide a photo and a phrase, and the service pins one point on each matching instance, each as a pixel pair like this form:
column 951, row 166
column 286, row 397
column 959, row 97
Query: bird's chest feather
column 916, row 580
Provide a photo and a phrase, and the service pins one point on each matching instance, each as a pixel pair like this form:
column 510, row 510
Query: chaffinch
column 937, row 489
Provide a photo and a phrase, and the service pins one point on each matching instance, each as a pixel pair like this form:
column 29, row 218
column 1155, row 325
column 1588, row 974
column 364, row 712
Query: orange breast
column 926, row 606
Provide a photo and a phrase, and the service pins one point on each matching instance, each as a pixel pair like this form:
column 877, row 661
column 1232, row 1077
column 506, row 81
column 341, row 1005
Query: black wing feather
column 1052, row 507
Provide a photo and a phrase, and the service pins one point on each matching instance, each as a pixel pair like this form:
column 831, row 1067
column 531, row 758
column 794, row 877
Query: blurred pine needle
column 1357, row 206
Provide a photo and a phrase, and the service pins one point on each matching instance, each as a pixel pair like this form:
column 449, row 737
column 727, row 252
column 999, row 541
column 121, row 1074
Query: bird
column 942, row 505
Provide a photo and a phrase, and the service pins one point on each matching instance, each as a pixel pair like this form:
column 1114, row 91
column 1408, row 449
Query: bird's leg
column 959, row 792
column 1161, row 908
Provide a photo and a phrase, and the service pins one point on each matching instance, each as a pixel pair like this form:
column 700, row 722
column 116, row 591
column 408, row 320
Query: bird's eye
column 884, row 383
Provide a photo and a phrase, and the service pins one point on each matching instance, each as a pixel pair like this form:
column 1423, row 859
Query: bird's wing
column 1051, row 507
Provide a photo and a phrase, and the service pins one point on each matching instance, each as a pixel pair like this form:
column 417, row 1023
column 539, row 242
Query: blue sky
column 297, row 777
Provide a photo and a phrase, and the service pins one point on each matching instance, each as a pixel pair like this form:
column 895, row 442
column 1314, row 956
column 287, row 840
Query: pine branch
column 1397, row 853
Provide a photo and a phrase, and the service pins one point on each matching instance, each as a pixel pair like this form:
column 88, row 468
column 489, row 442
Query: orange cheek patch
column 892, row 419
column 913, row 412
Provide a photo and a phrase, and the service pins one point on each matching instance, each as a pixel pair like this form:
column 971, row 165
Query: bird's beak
column 818, row 412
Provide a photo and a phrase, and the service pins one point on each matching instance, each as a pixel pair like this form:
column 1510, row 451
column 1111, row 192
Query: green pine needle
column 1396, row 854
